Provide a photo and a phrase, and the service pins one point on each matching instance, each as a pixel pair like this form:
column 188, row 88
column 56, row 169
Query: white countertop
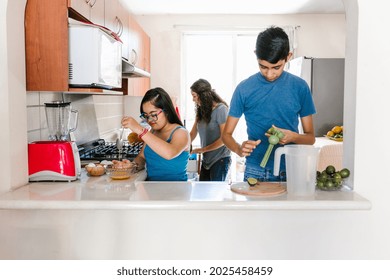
column 105, row 193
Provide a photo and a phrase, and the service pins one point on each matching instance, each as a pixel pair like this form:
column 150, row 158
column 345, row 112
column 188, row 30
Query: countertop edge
column 361, row 204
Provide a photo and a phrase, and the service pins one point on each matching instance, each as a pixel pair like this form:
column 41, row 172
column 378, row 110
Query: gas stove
column 102, row 150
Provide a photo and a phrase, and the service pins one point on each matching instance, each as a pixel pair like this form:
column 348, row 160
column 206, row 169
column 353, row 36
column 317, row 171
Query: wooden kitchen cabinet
column 117, row 19
column 47, row 44
column 139, row 45
column 92, row 10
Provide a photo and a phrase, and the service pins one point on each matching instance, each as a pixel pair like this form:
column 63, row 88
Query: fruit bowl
column 338, row 139
column 330, row 185
column 120, row 173
column 330, row 179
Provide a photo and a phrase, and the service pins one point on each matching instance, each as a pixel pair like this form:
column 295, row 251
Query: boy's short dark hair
column 272, row 45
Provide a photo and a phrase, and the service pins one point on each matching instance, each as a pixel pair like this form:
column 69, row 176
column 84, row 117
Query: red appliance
column 53, row 161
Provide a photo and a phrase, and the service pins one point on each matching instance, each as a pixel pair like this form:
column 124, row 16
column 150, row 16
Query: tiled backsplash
column 99, row 115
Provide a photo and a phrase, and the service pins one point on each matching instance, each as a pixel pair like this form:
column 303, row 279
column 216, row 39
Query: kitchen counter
column 134, row 193
column 100, row 218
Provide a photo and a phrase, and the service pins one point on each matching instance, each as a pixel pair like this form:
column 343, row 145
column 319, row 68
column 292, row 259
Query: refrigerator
column 325, row 77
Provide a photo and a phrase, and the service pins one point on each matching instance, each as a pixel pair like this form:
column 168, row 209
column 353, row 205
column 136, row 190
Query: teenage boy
column 271, row 97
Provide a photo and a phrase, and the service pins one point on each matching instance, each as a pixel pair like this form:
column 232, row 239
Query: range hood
column 131, row 71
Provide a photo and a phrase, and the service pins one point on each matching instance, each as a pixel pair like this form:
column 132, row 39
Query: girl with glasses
column 166, row 147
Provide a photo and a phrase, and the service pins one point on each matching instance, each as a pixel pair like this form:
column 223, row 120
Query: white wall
column 277, row 234
column 371, row 166
column 13, row 146
column 319, row 35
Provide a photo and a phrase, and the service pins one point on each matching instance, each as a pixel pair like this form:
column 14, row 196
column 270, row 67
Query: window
column 222, row 59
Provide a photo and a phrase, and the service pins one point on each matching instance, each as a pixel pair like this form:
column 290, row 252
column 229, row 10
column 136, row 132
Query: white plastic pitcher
column 301, row 168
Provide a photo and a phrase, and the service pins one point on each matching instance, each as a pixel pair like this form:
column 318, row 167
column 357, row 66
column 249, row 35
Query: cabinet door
column 81, row 6
column 93, row 10
column 146, row 51
column 96, row 11
column 116, row 19
column 111, row 18
column 47, row 64
column 124, row 33
column 134, row 41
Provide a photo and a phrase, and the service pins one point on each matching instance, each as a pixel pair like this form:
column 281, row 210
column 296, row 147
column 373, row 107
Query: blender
column 59, row 117
column 57, row 159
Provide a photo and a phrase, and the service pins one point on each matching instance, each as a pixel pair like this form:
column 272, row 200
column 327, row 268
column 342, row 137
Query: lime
column 329, row 184
column 320, row 185
column 322, row 178
column 252, row 181
column 344, row 173
column 330, row 169
column 337, row 179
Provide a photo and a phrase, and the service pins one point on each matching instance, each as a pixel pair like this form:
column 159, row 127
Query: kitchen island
column 101, row 218
column 103, row 192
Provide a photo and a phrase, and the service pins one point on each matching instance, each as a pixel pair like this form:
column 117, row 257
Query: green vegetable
column 274, row 139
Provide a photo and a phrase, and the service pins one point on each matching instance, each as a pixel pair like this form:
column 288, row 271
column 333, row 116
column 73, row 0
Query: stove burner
column 101, row 150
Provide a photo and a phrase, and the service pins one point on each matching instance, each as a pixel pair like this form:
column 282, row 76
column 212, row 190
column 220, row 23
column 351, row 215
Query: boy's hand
column 288, row 135
column 247, row 147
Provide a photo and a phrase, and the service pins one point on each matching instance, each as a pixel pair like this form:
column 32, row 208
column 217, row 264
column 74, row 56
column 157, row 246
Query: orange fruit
column 330, row 133
column 337, row 129
column 133, row 138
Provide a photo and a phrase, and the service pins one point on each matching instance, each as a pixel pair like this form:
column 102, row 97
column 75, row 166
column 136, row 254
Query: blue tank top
column 161, row 169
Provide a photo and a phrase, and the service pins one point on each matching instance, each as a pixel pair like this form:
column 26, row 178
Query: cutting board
column 260, row 189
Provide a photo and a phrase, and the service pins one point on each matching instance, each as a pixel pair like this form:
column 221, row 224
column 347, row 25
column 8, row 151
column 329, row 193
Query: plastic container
column 301, row 165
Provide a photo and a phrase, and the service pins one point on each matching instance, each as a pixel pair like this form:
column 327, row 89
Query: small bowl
column 120, row 173
column 95, row 169
column 333, row 186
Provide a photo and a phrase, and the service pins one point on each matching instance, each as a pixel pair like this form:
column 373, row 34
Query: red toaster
column 53, row 161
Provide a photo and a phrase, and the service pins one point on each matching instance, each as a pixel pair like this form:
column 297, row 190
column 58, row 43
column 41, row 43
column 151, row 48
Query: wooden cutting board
column 260, row 189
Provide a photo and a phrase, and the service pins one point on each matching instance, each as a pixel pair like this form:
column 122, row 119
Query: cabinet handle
column 117, row 27
column 133, row 57
column 120, row 26
column 91, row 4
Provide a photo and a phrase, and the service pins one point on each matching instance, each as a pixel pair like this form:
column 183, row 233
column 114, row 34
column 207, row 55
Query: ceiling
column 243, row 7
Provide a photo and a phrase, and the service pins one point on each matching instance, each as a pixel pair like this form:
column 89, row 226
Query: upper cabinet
column 93, row 10
column 47, row 45
column 139, row 45
column 117, row 19
column 47, row 40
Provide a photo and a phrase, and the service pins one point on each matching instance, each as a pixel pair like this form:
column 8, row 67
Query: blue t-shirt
column 161, row 169
column 263, row 103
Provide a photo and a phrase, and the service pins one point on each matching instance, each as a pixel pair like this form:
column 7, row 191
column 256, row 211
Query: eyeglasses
column 151, row 117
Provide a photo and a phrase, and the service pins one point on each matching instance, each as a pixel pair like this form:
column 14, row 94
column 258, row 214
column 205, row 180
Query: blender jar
column 59, row 117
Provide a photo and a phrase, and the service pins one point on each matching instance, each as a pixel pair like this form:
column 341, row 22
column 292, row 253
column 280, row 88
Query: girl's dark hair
column 206, row 96
column 161, row 99
column 272, row 45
